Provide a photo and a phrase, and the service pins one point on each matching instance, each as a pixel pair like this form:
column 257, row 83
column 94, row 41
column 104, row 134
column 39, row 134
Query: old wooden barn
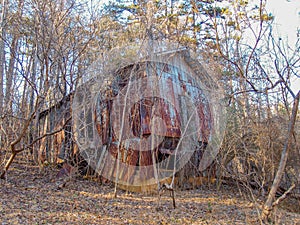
column 140, row 123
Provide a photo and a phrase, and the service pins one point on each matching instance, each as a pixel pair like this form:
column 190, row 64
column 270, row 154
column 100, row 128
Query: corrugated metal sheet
column 172, row 83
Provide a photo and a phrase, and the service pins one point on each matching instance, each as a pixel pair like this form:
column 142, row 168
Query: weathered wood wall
column 60, row 146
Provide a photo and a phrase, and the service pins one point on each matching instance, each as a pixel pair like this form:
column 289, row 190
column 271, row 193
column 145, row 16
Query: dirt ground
column 31, row 196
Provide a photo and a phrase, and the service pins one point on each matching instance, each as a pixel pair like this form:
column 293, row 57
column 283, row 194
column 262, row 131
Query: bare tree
column 270, row 203
column 259, row 79
column 53, row 40
column 2, row 49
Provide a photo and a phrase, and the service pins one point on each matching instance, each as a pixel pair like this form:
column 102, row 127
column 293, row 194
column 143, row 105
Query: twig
column 168, row 187
column 283, row 196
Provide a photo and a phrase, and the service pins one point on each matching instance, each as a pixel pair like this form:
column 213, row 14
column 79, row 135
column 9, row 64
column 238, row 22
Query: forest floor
column 31, row 196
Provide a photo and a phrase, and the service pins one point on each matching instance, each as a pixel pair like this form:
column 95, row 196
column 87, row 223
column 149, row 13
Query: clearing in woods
column 31, row 196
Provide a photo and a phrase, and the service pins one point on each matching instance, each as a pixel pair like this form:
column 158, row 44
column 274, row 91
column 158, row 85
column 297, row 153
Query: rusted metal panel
column 155, row 113
column 143, row 111
column 140, row 118
column 144, row 120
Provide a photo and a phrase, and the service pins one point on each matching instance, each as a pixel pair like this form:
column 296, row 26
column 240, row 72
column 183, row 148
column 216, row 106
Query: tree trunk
column 12, row 60
column 268, row 206
column 2, row 50
column 9, row 75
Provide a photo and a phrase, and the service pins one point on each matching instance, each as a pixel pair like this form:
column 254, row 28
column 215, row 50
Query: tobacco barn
column 140, row 120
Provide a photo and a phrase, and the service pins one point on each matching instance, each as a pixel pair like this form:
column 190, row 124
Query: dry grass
column 29, row 196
